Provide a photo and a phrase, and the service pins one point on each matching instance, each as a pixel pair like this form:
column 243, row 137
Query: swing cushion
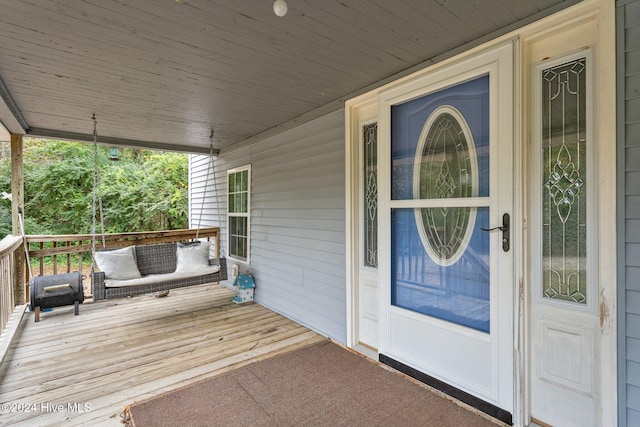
column 119, row 264
column 157, row 264
column 192, row 257
column 151, row 279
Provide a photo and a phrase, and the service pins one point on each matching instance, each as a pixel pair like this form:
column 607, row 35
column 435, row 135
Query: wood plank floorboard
column 119, row 351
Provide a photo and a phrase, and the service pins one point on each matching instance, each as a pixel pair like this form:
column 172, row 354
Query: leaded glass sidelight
column 564, row 193
column 370, row 202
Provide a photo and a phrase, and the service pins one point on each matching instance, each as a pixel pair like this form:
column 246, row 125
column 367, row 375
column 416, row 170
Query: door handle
column 506, row 223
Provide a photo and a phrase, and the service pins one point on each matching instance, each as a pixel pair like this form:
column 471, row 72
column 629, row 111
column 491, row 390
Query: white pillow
column 119, row 264
column 192, row 257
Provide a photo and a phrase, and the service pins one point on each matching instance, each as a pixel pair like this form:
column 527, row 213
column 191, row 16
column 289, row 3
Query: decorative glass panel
column 564, row 203
column 370, row 202
column 446, row 167
column 446, row 164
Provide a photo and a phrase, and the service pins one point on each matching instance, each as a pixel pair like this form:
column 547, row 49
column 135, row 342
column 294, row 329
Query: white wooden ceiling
column 162, row 73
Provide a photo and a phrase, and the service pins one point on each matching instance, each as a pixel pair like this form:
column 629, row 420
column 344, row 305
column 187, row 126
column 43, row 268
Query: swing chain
column 215, row 185
column 210, row 173
column 96, row 206
column 206, row 184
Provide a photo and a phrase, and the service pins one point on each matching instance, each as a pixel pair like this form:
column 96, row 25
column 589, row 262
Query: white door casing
column 570, row 352
column 361, row 119
column 564, row 322
column 368, row 247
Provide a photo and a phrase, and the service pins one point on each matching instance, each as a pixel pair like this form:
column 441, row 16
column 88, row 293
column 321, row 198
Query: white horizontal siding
column 297, row 220
column 203, row 197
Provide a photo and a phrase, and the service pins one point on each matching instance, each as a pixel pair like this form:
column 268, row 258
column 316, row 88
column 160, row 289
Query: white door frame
column 359, row 110
column 590, row 24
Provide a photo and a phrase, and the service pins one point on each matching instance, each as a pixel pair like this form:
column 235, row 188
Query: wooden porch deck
column 83, row 370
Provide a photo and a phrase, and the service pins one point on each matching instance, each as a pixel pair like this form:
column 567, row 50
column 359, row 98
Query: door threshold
column 475, row 402
column 366, row 350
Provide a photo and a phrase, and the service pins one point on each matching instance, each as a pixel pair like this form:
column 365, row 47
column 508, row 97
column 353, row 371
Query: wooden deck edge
column 10, row 330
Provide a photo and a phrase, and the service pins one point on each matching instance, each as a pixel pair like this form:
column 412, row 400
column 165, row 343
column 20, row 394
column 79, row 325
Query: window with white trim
column 238, row 203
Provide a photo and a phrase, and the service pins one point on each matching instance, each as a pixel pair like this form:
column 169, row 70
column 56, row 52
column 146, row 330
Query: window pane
column 457, row 293
column 564, row 204
column 232, row 203
column 232, row 183
column 238, row 198
column 243, row 202
column 238, row 239
column 238, row 192
column 244, row 178
column 441, row 144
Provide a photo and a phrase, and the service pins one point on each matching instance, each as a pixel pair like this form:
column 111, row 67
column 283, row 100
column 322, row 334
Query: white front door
column 446, row 220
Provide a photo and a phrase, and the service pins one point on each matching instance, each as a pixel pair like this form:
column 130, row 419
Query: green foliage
column 143, row 191
column 5, row 220
column 5, row 205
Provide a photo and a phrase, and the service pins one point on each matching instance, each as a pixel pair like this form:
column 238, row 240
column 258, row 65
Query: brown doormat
column 319, row 385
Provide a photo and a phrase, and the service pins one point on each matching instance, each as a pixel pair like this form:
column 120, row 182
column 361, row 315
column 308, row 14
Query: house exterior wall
column 298, row 222
column 206, row 207
column 297, row 254
column 628, row 32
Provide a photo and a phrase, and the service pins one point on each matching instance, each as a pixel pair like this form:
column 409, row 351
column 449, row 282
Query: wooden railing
column 54, row 254
column 10, row 250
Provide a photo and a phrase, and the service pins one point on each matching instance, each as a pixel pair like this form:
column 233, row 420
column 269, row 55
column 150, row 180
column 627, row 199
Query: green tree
column 144, row 191
column 58, row 177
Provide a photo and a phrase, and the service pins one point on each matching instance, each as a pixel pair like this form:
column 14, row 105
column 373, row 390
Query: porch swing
column 150, row 268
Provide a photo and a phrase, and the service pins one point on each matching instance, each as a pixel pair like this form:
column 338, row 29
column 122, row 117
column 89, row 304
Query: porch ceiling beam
column 10, row 114
column 122, row 142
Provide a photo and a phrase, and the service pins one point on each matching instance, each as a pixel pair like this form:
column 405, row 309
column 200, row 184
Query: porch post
column 17, row 201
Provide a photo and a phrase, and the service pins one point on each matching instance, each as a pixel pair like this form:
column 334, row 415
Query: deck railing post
column 11, row 290
column 18, row 275
column 17, row 202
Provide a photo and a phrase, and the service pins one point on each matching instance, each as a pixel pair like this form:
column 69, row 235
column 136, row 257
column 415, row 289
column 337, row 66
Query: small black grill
column 56, row 291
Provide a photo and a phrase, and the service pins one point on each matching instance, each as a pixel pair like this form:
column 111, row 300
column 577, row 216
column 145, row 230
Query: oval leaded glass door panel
column 446, row 166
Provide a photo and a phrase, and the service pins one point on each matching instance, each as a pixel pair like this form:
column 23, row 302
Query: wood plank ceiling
column 162, row 73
